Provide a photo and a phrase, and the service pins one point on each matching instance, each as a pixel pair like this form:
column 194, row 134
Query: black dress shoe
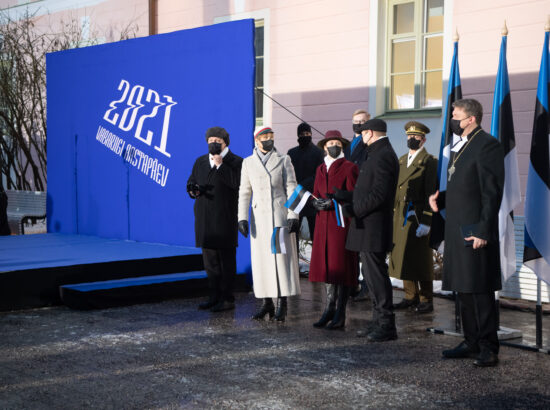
column 327, row 316
column 280, row 314
column 486, row 359
column 406, row 303
column 365, row 332
column 382, row 334
column 462, row 351
column 268, row 308
column 424, row 307
column 223, row 305
column 207, row 305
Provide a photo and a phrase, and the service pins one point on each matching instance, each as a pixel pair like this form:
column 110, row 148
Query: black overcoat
column 305, row 162
column 371, row 228
column 359, row 153
column 472, row 202
column 216, row 209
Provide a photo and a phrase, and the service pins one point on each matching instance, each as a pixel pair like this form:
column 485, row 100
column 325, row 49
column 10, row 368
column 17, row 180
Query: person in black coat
column 371, row 228
column 4, row 227
column 306, row 157
column 471, row 260
column 356, row 152
column 214, row 185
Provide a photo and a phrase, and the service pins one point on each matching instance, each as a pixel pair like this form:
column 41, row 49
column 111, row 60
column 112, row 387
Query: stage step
column 128, row 291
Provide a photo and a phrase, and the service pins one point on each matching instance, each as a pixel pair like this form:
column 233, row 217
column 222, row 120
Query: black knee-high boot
column 267, row 308
column 339, row 320
column 280, row 314
column 330, row 308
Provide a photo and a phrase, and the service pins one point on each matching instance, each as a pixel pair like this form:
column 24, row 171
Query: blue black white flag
column 410, row 212
column 536, row 254
column 454, row 92
column 502, row 128
column 278, row 240
column 298, row 199
column 339, row 214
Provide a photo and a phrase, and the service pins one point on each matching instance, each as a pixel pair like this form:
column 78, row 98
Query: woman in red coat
column 331, row 262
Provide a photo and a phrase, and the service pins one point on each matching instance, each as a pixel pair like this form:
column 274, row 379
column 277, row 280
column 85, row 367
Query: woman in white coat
column 267, row 177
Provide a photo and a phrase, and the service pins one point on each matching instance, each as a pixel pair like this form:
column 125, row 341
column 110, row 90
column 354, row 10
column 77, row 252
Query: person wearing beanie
column 306, row 157
column 267, row 179
column 214, row 186
column 331, row 262
column 411, row 258
column 370, row 233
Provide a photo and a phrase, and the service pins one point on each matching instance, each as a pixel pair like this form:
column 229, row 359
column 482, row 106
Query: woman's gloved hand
column 343, row 196
column 243, row 228
column 322, row 204
column 293, row 225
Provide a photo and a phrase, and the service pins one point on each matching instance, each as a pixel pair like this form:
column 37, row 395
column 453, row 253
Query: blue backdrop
column 127, row 120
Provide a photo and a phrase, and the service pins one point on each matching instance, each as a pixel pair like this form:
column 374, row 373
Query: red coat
column 331, row 262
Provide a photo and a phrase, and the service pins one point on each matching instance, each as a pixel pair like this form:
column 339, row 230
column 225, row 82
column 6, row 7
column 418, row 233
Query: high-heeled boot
column 330, row 309
column 267, row 308
column 339, row 320
column 280, row 314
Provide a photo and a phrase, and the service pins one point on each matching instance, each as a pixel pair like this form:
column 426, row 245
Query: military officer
column 411, row 258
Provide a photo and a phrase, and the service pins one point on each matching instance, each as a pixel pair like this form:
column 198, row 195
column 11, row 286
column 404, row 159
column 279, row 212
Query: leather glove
column 422, row 230
column 347, row 210
column 293, row 225
column 343, row 196
column 193, row 190
column 322, row 204
column 243, row 228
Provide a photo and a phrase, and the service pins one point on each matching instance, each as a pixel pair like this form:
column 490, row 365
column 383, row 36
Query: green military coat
column 411, row 257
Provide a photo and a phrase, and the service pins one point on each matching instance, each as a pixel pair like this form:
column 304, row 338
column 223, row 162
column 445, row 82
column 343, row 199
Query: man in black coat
column 371, row 229
column 4, row 227
column 471, row 260
column 306, row 157
column 214, row 185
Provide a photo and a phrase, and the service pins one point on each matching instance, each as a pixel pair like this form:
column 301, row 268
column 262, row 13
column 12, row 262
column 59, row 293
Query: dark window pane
column 259, row 72
column 259, row 103
column 259, row 41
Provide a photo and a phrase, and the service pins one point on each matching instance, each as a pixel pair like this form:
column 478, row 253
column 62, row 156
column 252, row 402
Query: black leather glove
column 193, row 190
column 347, row 210
column 322, row 204
column 243, row 228
column 341, row 195
column 293, row 225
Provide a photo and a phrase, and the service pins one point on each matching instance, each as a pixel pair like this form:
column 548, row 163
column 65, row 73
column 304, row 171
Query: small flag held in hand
column 410, row 212
column 339, row 214
column 298, row 199
column 278, row 240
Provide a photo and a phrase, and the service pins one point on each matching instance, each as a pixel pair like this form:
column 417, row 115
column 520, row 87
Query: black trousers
column 375, row 272
column 221, row 268
column 479, row 320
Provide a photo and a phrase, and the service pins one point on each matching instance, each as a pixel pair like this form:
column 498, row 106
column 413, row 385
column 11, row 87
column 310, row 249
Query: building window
column 415, row 54
column 259, row 82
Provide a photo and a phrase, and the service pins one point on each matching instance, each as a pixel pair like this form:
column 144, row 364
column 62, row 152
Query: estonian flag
column 536, row 254
column 454, row 92
column 298, row 199
column 339, row 214
column 502, row 128
column 278, row 241
column 409, row 212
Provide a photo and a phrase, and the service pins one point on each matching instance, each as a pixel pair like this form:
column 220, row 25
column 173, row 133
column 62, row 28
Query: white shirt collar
column 329, row 160
column 411, row 157
column 211, row 157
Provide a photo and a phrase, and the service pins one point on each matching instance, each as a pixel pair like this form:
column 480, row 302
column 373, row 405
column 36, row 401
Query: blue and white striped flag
column 278, row 240
column 409, row 212
column 298, row 199
column 339, row 214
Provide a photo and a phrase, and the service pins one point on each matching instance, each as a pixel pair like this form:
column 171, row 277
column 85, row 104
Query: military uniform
column 411, row 258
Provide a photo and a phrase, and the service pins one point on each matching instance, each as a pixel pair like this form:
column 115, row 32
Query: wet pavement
column 169, row 355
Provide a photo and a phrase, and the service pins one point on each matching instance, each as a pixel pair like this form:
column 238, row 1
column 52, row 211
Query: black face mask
column 267, row 145
column 455, row 127
column 303, row 141
column 215, row 148
column 413, row 143
column 357, row 128
column 334, row 151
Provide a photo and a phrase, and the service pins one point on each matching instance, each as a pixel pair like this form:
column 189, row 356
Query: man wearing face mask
column 471, row 261
column 370, row 233
column 411, row 257
column 267, row 179
column 214, row 185
column 306, row 157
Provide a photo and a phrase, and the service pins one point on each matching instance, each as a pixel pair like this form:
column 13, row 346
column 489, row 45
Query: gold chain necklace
column 452, row 169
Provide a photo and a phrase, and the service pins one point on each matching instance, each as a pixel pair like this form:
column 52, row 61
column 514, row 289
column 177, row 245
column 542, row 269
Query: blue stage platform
column 33, row 267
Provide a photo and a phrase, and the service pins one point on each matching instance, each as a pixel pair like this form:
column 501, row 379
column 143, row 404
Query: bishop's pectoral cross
column 451, row 171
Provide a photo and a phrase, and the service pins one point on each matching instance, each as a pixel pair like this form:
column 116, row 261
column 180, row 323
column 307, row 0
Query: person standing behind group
column 411, row 258
column 371, row 227
column 331, row 262
column 214, row 185
column 267, row 178
column 305, row 158
column 471, row 260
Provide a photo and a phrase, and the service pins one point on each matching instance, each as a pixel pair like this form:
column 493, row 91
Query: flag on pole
column 536, row 254
column 454, row 92
column 298, row 199
column 278, row 240
column 339, row 214
column 502, row 128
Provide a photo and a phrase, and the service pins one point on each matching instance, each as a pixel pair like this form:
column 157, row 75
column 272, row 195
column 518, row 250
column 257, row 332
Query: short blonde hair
column 361, row 111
